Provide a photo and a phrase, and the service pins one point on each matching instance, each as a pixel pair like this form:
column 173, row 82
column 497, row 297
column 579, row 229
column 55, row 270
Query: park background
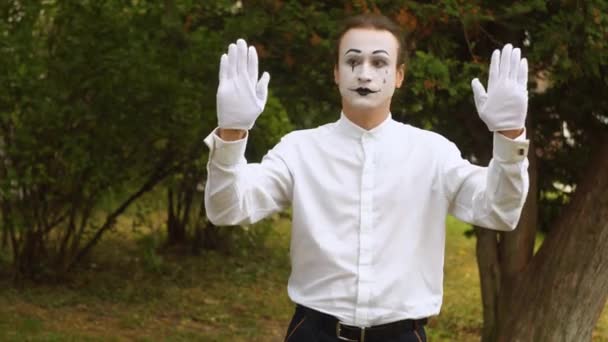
column 104, row 105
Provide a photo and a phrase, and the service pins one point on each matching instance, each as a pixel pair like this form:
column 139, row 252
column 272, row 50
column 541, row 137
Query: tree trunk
column 32, row 253
column 517, row 247
column 4, row 232
column 176, row 231
column 560, row 294
column 489, row 274
column 501, row 256
column 180, row 203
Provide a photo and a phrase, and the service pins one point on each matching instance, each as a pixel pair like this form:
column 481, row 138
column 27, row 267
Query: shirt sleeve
column 492, row 196
column 237, row 192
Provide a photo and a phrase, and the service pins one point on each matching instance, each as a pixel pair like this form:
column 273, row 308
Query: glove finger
column 261, row 89
column 231, row 60
column 505, row 61
column 241, row 61
column 494, row 69
column 224, row 67
column 522, row 76
column 479, row 93
column 252, row 66
column 514, row 67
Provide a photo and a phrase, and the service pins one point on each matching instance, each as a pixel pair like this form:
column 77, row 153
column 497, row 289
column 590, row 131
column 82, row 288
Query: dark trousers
column 304, row 328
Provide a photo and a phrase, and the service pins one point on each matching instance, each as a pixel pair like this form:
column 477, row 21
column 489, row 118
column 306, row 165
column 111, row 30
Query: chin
column 364, row 105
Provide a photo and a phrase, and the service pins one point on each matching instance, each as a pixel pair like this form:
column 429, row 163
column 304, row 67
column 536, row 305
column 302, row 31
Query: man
column 369, row 195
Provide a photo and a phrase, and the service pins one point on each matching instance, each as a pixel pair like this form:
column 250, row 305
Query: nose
column 364, row 74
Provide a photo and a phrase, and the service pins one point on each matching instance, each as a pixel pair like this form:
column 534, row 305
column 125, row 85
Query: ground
column 127, row 292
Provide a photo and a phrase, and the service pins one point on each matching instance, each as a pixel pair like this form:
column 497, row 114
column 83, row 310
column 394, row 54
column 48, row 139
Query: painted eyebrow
column 380, row 51
column 373, row 53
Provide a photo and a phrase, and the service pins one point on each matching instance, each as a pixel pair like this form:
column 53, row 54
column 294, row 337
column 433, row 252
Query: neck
column 366, row 118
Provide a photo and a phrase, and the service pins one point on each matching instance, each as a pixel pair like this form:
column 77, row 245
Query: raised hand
column 240, row 96
column 504, row 106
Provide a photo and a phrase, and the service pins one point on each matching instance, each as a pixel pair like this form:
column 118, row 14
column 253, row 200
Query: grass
column 127, row 293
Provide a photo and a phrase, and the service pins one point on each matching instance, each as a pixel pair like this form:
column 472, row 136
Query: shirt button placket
column 365, row 233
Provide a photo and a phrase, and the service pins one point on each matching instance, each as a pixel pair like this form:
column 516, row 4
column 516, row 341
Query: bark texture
column 560, row 293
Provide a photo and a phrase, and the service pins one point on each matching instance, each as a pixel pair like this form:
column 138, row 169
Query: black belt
column 332, row 326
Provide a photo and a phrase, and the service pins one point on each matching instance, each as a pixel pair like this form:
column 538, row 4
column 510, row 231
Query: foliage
column 448, row 44
column 209, row 24
column 107, row 99
column 97, row 98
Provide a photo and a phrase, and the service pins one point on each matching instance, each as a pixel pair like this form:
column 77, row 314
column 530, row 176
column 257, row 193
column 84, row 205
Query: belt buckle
column 339, row 331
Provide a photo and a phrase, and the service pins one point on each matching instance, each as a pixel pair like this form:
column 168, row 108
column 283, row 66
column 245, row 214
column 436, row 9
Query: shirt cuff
column 225, row 152
column 510, row 150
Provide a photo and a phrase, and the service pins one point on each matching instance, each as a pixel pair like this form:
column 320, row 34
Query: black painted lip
column 364, row 91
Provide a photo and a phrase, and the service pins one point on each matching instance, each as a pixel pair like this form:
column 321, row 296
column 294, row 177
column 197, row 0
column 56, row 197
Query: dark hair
column 371, row 21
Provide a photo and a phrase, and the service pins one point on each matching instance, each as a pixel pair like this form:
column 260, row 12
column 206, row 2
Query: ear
column 400, row 76
column 336, row 74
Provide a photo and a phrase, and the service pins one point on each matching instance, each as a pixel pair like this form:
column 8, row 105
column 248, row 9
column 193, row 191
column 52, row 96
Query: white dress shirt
column 368, row 210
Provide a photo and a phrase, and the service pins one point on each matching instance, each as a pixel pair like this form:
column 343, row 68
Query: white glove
column 240, row 96
column 505, row 105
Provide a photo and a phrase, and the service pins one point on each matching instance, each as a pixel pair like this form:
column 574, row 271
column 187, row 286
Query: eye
column 379, row 63
column 352, row 62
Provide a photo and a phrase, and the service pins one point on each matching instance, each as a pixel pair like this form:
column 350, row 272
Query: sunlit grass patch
column 235, row 295
column 460, row 317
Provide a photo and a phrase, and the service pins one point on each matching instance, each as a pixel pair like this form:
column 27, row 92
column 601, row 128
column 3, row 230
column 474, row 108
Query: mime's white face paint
column 367, row 72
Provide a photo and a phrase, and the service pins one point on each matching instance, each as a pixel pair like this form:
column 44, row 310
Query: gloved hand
column 505, row 104
column 240, row 96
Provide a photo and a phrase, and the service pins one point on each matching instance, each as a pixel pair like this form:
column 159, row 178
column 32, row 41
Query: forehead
column 368, row 40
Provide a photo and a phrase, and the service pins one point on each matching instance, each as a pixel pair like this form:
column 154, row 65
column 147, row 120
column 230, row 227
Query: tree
column 449, row 43
column 558, row 293
column 212, row 25
column 95, row 112
column 65, row 89
column 100, row 102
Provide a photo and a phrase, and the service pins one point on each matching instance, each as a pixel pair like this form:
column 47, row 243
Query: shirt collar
column 353, row 130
